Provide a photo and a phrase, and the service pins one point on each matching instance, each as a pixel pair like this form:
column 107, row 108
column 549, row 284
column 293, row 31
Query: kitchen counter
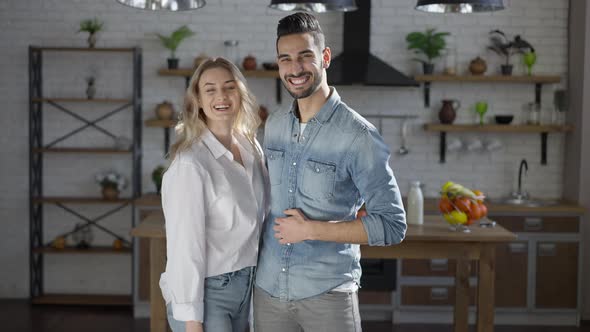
column 433, row 239
column 562, row 208
column 151, row 200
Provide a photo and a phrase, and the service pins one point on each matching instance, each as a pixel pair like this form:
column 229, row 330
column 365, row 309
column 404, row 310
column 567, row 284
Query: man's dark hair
column 301, row 22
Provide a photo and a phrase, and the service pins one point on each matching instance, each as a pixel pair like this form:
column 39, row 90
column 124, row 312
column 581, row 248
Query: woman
column 214, row 201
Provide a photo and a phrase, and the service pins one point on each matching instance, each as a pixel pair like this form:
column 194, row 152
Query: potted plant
column 111, row 183
column 92, row 26
column 502, row 46
column 173, row 41
column 157, row 176
column 428, row 44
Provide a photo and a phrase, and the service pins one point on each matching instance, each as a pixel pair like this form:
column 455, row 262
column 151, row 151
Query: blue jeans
column 227, row 302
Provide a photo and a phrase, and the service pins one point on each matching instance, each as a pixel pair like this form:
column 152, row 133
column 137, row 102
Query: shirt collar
column 212, row 143
column 324, row 114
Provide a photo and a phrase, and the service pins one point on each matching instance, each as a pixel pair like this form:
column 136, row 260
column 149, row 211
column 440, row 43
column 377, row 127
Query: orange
column 484, row 209
column 463, row 204
column 444, row 205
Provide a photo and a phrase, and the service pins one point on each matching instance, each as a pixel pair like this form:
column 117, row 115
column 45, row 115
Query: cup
column 454, row 144
column 493, row 144
column 474, row 145
column 481, row 107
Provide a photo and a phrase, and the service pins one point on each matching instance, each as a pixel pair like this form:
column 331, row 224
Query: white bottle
column 415, row 212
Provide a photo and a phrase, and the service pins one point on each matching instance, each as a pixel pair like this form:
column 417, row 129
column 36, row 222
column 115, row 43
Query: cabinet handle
column 441, row 264
column 533, row 224
column 547, row 249
column 517, row 248
column 439, row 293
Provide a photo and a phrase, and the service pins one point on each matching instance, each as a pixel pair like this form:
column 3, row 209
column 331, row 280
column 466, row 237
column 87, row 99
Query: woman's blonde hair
column 192, row 121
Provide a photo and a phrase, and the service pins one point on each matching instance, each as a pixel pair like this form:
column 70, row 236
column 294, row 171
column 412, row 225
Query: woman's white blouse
column 214, row 208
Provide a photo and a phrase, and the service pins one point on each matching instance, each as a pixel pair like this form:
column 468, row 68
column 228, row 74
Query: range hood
column 356, row 65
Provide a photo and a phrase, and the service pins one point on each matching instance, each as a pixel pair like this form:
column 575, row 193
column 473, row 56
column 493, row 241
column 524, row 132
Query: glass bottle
column 415, row 213
column 231, row 51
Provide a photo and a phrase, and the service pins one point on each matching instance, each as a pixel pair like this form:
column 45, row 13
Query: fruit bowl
column 460, row 206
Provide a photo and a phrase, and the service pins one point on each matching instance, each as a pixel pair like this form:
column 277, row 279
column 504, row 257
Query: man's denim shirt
column 339, row 163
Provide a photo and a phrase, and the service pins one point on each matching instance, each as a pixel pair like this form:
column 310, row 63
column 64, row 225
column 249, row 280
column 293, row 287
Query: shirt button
column 294, row 164
column 290, row 190
column 317, row 170
column 288, row 244
column 284, row 269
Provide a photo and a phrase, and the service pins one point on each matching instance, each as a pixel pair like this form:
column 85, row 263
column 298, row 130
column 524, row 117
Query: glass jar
column 533, row 113
column 231, row 51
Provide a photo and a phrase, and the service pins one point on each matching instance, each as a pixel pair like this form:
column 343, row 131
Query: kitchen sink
column 530, row 202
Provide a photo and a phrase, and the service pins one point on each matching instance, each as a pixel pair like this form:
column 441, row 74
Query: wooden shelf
column 489, row 78
column 81, row 200
column 496, row 128
column 84, row 299
column 149, row 200
column 537, row 80
column 82, row 100
column 85, row 49
column 81, row 150
column 188, row 72
column 74, row 250
column 160, row 123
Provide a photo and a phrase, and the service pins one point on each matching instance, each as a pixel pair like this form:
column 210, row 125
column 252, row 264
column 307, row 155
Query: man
column 324, row 161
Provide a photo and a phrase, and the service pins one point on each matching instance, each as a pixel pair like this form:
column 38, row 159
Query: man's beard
column 308, row 92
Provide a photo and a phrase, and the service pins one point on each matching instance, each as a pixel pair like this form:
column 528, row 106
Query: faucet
column 519, row 192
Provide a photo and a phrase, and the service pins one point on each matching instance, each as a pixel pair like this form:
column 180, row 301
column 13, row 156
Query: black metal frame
column 36, row 102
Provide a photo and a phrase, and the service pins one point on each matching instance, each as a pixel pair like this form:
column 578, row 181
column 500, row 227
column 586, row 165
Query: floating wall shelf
column 537, row 80
column 544, row 130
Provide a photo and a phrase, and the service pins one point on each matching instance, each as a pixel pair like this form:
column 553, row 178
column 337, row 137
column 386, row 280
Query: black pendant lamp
column 316, row 6
column 459, row 6
column 169, row 5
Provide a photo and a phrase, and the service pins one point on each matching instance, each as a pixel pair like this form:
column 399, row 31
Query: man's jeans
column 331, row 311
column 227, row 302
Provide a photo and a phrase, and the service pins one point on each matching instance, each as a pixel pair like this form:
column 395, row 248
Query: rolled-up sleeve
column 184, row 203
column 385, row 222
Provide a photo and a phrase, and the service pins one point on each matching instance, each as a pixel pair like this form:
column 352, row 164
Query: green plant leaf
column 173, row 41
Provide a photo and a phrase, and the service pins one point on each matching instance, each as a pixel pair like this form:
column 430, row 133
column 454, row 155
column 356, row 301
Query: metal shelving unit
column 37, row 149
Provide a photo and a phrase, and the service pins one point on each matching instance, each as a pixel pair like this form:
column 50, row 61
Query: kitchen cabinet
column 557, row 275
column 537, row 276
column 432, row 295
column 511, row 275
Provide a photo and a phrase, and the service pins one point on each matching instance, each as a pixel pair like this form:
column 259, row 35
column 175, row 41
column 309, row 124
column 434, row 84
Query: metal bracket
column 544, row 136
column 426, row 94
column 443, row 146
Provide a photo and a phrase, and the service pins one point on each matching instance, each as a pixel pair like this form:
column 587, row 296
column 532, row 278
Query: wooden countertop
column 433, row 229
column 563, row 207
column 152, row 200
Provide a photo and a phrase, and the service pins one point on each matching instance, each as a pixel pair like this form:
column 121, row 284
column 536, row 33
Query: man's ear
column 326, row 57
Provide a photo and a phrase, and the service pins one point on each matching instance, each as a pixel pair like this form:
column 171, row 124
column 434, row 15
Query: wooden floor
column 19, row 316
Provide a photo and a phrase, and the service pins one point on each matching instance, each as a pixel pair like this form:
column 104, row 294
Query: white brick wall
column 53, row 22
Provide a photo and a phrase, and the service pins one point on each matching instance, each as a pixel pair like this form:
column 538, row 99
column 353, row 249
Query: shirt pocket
column 275, row 160
column 318, row 179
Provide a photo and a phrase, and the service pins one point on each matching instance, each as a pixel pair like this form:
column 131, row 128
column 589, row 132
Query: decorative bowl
column 504, row 119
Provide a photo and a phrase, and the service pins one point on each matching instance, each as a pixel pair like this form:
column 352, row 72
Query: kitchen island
column 431, row 240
